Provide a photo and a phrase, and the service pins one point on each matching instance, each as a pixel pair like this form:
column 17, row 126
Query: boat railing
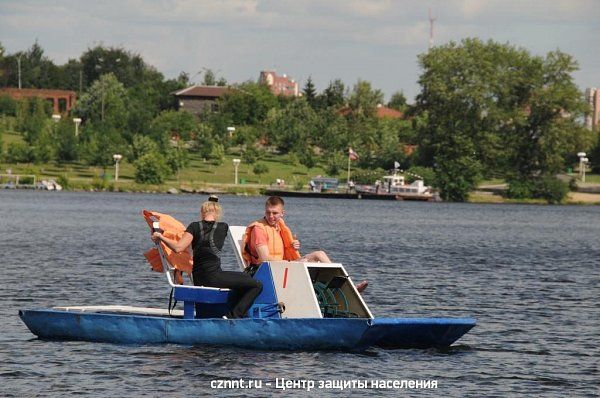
column 169, row 270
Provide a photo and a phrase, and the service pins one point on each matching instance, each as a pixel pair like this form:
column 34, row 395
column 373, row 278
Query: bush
column 298, row 185
column 548, row 188
column 260, row 168
column 140, row 146
column 8, row 106
column 99, row 183
column 151, row 168
column 335, row 163
column 519, row 189
column 63, row 180
column 551, row 189
column 218, row 154
column 19, row 152
column 572, row 184
column 250, row 155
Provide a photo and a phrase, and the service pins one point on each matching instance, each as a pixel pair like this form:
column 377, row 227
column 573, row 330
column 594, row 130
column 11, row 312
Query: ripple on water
column 511, row 267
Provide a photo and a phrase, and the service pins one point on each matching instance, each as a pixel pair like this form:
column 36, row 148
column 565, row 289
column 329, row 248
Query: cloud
column 376, row 40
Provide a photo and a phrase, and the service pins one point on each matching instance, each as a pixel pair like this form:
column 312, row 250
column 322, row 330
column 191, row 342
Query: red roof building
column 279, row 85
column 62, row 100
column 200, row 99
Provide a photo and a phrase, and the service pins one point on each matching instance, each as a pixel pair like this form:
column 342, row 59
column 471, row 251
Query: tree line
column 485, row 110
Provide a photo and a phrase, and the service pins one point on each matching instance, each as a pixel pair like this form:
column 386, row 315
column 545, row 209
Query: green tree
column 310, row 94
column 364, row 99
column 128, row 68
column 33, row 117
column 307, row 157
column 218, row 154
column 489, row 109
column 250, row 155
column 334, row 95
column 151, row 168
column 210, row 79
column 99, row 143
column 398, row 101
column 180, row 125
column 247, row 103
column 336, row 162
column 203, row 143
column 104, row 103
column 295, row 126
column 8, row 106
column 177, row 158
column 260, row 168
column 65, row 141
column 37, row 71
column 19, row 152
column 140, row 146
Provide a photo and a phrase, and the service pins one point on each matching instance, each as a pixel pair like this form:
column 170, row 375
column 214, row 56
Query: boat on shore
column 303, row 306
column 393, row 187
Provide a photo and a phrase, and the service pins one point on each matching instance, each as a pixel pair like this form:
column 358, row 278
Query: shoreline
column 476, row 197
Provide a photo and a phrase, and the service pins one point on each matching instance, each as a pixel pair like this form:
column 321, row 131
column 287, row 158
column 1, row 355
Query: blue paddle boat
column 303, row 306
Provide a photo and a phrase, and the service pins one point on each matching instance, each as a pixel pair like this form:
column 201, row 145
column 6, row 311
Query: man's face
column 273, row 214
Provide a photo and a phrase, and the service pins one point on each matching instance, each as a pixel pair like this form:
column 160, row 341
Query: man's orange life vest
column 279, row 249
column 172, row 229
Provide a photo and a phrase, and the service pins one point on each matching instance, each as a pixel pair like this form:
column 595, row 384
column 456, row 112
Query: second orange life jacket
column 279, row 249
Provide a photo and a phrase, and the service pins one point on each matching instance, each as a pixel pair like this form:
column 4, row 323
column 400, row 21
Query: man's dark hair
column 274, row 201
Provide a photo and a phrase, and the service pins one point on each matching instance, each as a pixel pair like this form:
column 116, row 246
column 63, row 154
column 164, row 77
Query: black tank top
column 206, row 260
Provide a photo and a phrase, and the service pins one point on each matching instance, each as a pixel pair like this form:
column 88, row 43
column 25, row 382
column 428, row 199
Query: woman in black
column 207, row 238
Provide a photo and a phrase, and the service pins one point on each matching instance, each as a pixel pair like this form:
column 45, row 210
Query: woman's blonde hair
column 211, row 207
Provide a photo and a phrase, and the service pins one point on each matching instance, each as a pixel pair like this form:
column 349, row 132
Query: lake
column 529, row 274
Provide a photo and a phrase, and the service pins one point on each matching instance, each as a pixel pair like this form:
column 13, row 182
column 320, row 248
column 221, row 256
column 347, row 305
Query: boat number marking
column 285, row 278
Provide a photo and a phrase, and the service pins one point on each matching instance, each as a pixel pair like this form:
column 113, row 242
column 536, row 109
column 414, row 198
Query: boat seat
column 198, row 301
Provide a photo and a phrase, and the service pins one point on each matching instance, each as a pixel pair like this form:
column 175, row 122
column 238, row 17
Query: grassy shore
column 201, row 175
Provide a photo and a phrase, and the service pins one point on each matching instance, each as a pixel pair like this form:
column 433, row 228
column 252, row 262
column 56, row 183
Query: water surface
column 529, row 274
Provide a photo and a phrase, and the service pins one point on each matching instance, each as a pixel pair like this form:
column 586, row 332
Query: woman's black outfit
column 208, row 240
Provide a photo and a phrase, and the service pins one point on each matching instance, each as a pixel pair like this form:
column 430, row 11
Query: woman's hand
column 156, row 237
column 296, row 244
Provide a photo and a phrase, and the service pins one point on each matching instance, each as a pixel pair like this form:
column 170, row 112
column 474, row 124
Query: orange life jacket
column 279, row 249
column 172, row 229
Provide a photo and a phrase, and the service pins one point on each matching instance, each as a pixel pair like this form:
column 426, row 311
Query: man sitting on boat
column 269, row 239
column 207, row 238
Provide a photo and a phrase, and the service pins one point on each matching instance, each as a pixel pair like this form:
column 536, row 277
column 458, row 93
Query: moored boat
column 394, row 187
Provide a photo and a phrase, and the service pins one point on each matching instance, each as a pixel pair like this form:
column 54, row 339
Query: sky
column 374, row 40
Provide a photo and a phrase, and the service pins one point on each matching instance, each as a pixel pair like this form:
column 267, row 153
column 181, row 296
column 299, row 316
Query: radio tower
column 431, row 21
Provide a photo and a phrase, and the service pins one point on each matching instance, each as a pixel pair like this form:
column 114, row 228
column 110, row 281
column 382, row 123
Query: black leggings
column 247, row 288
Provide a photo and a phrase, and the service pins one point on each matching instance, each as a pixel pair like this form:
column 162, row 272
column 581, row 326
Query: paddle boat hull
column 254, row 333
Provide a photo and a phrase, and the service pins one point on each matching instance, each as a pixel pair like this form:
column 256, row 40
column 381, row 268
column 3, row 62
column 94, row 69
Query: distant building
column 199, row 100
column 593, row 97
column 62, row 100
column 279, row 85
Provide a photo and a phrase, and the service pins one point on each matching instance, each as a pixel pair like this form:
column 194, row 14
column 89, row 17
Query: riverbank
column 479, row 196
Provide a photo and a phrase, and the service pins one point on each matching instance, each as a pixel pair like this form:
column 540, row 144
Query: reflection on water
column 529, row 274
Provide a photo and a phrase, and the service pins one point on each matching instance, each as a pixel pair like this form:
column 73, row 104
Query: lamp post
column 230, row 131
column 116, row 158
column 236, row 163
column 77, row 122
column 582, row 161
